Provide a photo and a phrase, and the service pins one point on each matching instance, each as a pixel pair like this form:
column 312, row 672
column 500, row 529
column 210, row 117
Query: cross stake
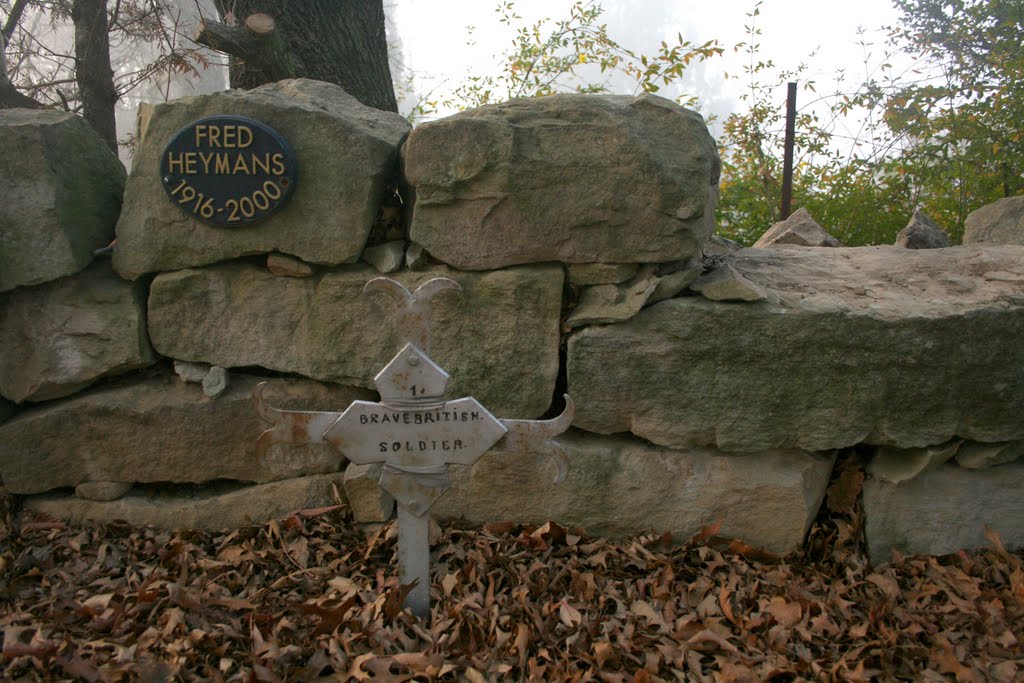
column 414, row 431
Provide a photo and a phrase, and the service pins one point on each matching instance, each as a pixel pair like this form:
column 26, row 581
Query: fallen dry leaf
column 310, row 598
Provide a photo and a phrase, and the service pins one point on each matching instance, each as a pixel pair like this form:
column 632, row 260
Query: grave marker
column 228, row 170
column 414, row 431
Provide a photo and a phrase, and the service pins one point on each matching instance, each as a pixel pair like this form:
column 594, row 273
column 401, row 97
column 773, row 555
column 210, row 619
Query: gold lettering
column 213, row 134
column 240, row 164
column 221, row 166
column 206, row 159
column 229, row 136
column 278, row 164
column 200, row 132
column 190, row 163
column 244, row 136
column 174, row 159
column 257, row 163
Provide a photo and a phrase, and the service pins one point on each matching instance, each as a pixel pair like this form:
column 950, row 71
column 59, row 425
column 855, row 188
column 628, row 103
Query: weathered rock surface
column 387, row 257
column 725, row 283
column 572, row 178
column 882, row 345
column 1001, row 222
column 162, row 430
column 7, row 410
column 619, row 486
column 61, row 188
column 286, row 266
column 212, row 508
column 191, row 372
column 601, row 304
column 799, row 229
column 980, row 456
column 721, row 246
column 61, row 336
column 336, row 199
column 215, row 382
column 922, row 233
column 675, row 281
column 944, row 510
column 102, row 490
column 416, row 257
column 601, row 273
column 498, row 340
column 895, row 465
column 369, row 502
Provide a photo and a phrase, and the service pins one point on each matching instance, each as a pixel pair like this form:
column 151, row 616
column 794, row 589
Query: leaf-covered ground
column 310, row 598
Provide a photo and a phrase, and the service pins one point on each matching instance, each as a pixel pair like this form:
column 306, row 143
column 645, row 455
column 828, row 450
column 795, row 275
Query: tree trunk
column 92, row 68
column 10, row 96
column 338, row 41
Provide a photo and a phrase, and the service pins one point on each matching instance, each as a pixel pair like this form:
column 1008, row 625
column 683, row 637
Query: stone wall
column 712, row 383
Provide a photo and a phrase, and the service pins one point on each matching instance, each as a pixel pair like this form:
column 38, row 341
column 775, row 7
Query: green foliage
column 945, row 136
column 574, row 54
column 963, row 126
column 847, row 185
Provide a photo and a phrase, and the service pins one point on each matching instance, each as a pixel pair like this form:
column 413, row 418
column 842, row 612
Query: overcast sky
column 434, row 37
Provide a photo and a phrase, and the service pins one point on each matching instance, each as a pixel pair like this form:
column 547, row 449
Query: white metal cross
column 414, row 431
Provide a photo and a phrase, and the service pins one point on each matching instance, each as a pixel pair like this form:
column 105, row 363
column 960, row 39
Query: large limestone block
column 882, row 345
column 620, row 486
column 498, row 340
column 944, row 510
column 162, row 429
column 60, row 194
column 346, row 153
column 219, row 507
column 1001, row 222
column 61, row 336
column 572, row 178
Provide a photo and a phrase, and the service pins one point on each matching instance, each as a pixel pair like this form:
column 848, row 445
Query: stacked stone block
column 713, row 384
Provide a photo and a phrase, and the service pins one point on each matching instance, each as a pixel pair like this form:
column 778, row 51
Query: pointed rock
column 721, row 246
column 799, row 229
column 922, row 233
column 725, row 283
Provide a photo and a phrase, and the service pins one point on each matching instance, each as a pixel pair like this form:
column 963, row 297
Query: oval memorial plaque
column 228, row 170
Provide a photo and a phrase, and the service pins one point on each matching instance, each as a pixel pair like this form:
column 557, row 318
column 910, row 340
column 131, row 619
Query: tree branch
column 12, row 21
column 257, row 44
